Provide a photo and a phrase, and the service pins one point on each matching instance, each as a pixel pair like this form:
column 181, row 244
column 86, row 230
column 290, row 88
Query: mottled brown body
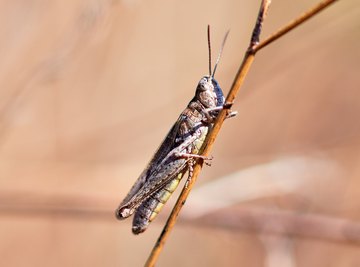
column 174, row 157
column 150, row 208
column 177, row 153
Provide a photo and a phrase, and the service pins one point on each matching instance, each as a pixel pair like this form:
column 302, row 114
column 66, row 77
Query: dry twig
column 254, row 47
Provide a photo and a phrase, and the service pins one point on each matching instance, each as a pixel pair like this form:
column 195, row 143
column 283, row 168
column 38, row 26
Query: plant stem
column 254, row 47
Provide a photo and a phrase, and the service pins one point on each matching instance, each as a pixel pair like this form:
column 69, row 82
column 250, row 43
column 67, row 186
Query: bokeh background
column 90, row 88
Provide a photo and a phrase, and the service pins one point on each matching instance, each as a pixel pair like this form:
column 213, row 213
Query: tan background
column 90, row 88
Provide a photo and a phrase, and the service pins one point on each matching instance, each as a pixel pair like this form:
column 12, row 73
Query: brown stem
column 293, row 24
column 240, row 76
column 254, row 47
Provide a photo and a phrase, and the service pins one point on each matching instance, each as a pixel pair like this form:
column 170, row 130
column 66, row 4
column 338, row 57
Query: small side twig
column 295, row 23
column 254, row 47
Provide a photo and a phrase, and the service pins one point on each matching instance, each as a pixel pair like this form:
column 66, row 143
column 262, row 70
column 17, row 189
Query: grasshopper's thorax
column 208, row 96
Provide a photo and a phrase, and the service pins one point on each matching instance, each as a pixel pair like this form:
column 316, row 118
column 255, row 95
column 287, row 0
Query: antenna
column 209, row 48
column 220, row 52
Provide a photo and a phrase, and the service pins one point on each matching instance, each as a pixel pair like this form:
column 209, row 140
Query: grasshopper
column 177, row 154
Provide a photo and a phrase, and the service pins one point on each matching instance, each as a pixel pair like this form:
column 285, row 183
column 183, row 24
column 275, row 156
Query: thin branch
column 295, row 23
column 254, row 47
column 255, row 37
column 249, row 57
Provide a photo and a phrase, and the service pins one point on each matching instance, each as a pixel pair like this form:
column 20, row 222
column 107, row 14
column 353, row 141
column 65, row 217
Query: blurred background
column 90, row 88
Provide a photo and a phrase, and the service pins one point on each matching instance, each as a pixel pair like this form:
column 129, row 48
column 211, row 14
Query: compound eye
column 203, row 81
column 205, row 84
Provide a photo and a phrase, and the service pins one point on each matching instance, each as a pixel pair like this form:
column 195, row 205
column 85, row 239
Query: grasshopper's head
column 209, row 93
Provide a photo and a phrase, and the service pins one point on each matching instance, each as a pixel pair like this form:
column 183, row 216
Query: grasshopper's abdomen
column 150, row 208
column 147, row 212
